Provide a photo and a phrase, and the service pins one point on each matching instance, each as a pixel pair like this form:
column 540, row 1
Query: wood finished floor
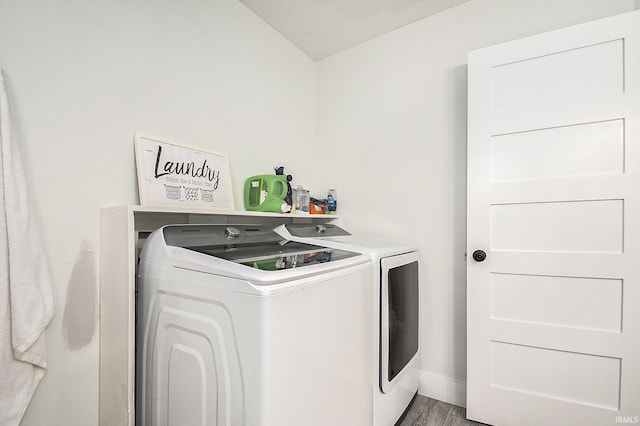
column 430, row 412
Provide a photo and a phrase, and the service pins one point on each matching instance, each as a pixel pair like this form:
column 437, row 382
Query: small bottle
column 331, row 201
column 302, row 200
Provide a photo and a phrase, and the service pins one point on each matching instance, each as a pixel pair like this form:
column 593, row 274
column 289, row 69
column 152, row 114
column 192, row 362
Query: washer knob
column 321, row 229
column 232, row 232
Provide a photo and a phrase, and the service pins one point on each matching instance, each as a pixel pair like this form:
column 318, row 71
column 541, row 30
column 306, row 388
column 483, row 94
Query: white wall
column 83, row 76
column 392, row 123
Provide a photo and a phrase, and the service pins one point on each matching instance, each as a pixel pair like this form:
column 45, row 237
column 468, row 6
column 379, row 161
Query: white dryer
column 396, row 342
column 238, row 326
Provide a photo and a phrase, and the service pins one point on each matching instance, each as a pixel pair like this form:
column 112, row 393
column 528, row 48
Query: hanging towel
column 26, row 303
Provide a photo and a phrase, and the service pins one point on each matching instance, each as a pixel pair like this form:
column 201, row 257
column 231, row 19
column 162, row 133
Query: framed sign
column 176, row 174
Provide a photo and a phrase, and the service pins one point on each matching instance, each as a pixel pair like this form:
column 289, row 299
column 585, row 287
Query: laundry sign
column 175, row 174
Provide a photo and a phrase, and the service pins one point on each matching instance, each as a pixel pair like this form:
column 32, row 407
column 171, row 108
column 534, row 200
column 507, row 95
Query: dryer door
column 399, row 317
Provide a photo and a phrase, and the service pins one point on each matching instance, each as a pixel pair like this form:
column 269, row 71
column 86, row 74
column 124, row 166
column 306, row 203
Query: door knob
column 479, row 255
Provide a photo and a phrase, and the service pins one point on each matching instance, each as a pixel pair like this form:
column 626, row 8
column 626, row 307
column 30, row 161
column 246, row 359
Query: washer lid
column 251, row 245
column 315, row 231
column 333, row 236
column 190, row 236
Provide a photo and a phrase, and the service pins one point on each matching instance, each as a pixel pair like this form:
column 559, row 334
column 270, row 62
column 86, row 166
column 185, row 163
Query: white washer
column 238, row 327
column 396, row 341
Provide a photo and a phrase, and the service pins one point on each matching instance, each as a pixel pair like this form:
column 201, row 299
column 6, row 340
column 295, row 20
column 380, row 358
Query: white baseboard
column 443, row 389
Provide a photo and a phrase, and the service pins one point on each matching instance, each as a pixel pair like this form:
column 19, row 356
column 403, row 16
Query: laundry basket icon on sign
column 207, row 195
column 173, row 192
column 191, row 194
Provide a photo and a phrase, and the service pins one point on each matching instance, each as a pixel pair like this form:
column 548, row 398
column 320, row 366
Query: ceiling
column 324, row 27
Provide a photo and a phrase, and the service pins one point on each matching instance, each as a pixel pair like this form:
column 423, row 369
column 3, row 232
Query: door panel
column 553, row 313
column 551, row 152
column 586, row 379
column 576, row 302
column 571, row 75
column 558, row 226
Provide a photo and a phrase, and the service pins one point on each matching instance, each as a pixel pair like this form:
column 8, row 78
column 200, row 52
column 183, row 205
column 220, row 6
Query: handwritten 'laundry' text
column 186, row 168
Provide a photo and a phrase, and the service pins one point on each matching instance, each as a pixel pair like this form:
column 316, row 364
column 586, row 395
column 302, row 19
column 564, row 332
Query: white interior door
column 553, row 315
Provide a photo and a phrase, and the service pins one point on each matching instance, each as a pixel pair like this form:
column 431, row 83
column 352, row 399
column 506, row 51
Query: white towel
column 26, row 303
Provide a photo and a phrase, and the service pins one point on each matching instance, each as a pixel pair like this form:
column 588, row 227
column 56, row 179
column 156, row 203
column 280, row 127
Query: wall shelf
column 123, row 230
